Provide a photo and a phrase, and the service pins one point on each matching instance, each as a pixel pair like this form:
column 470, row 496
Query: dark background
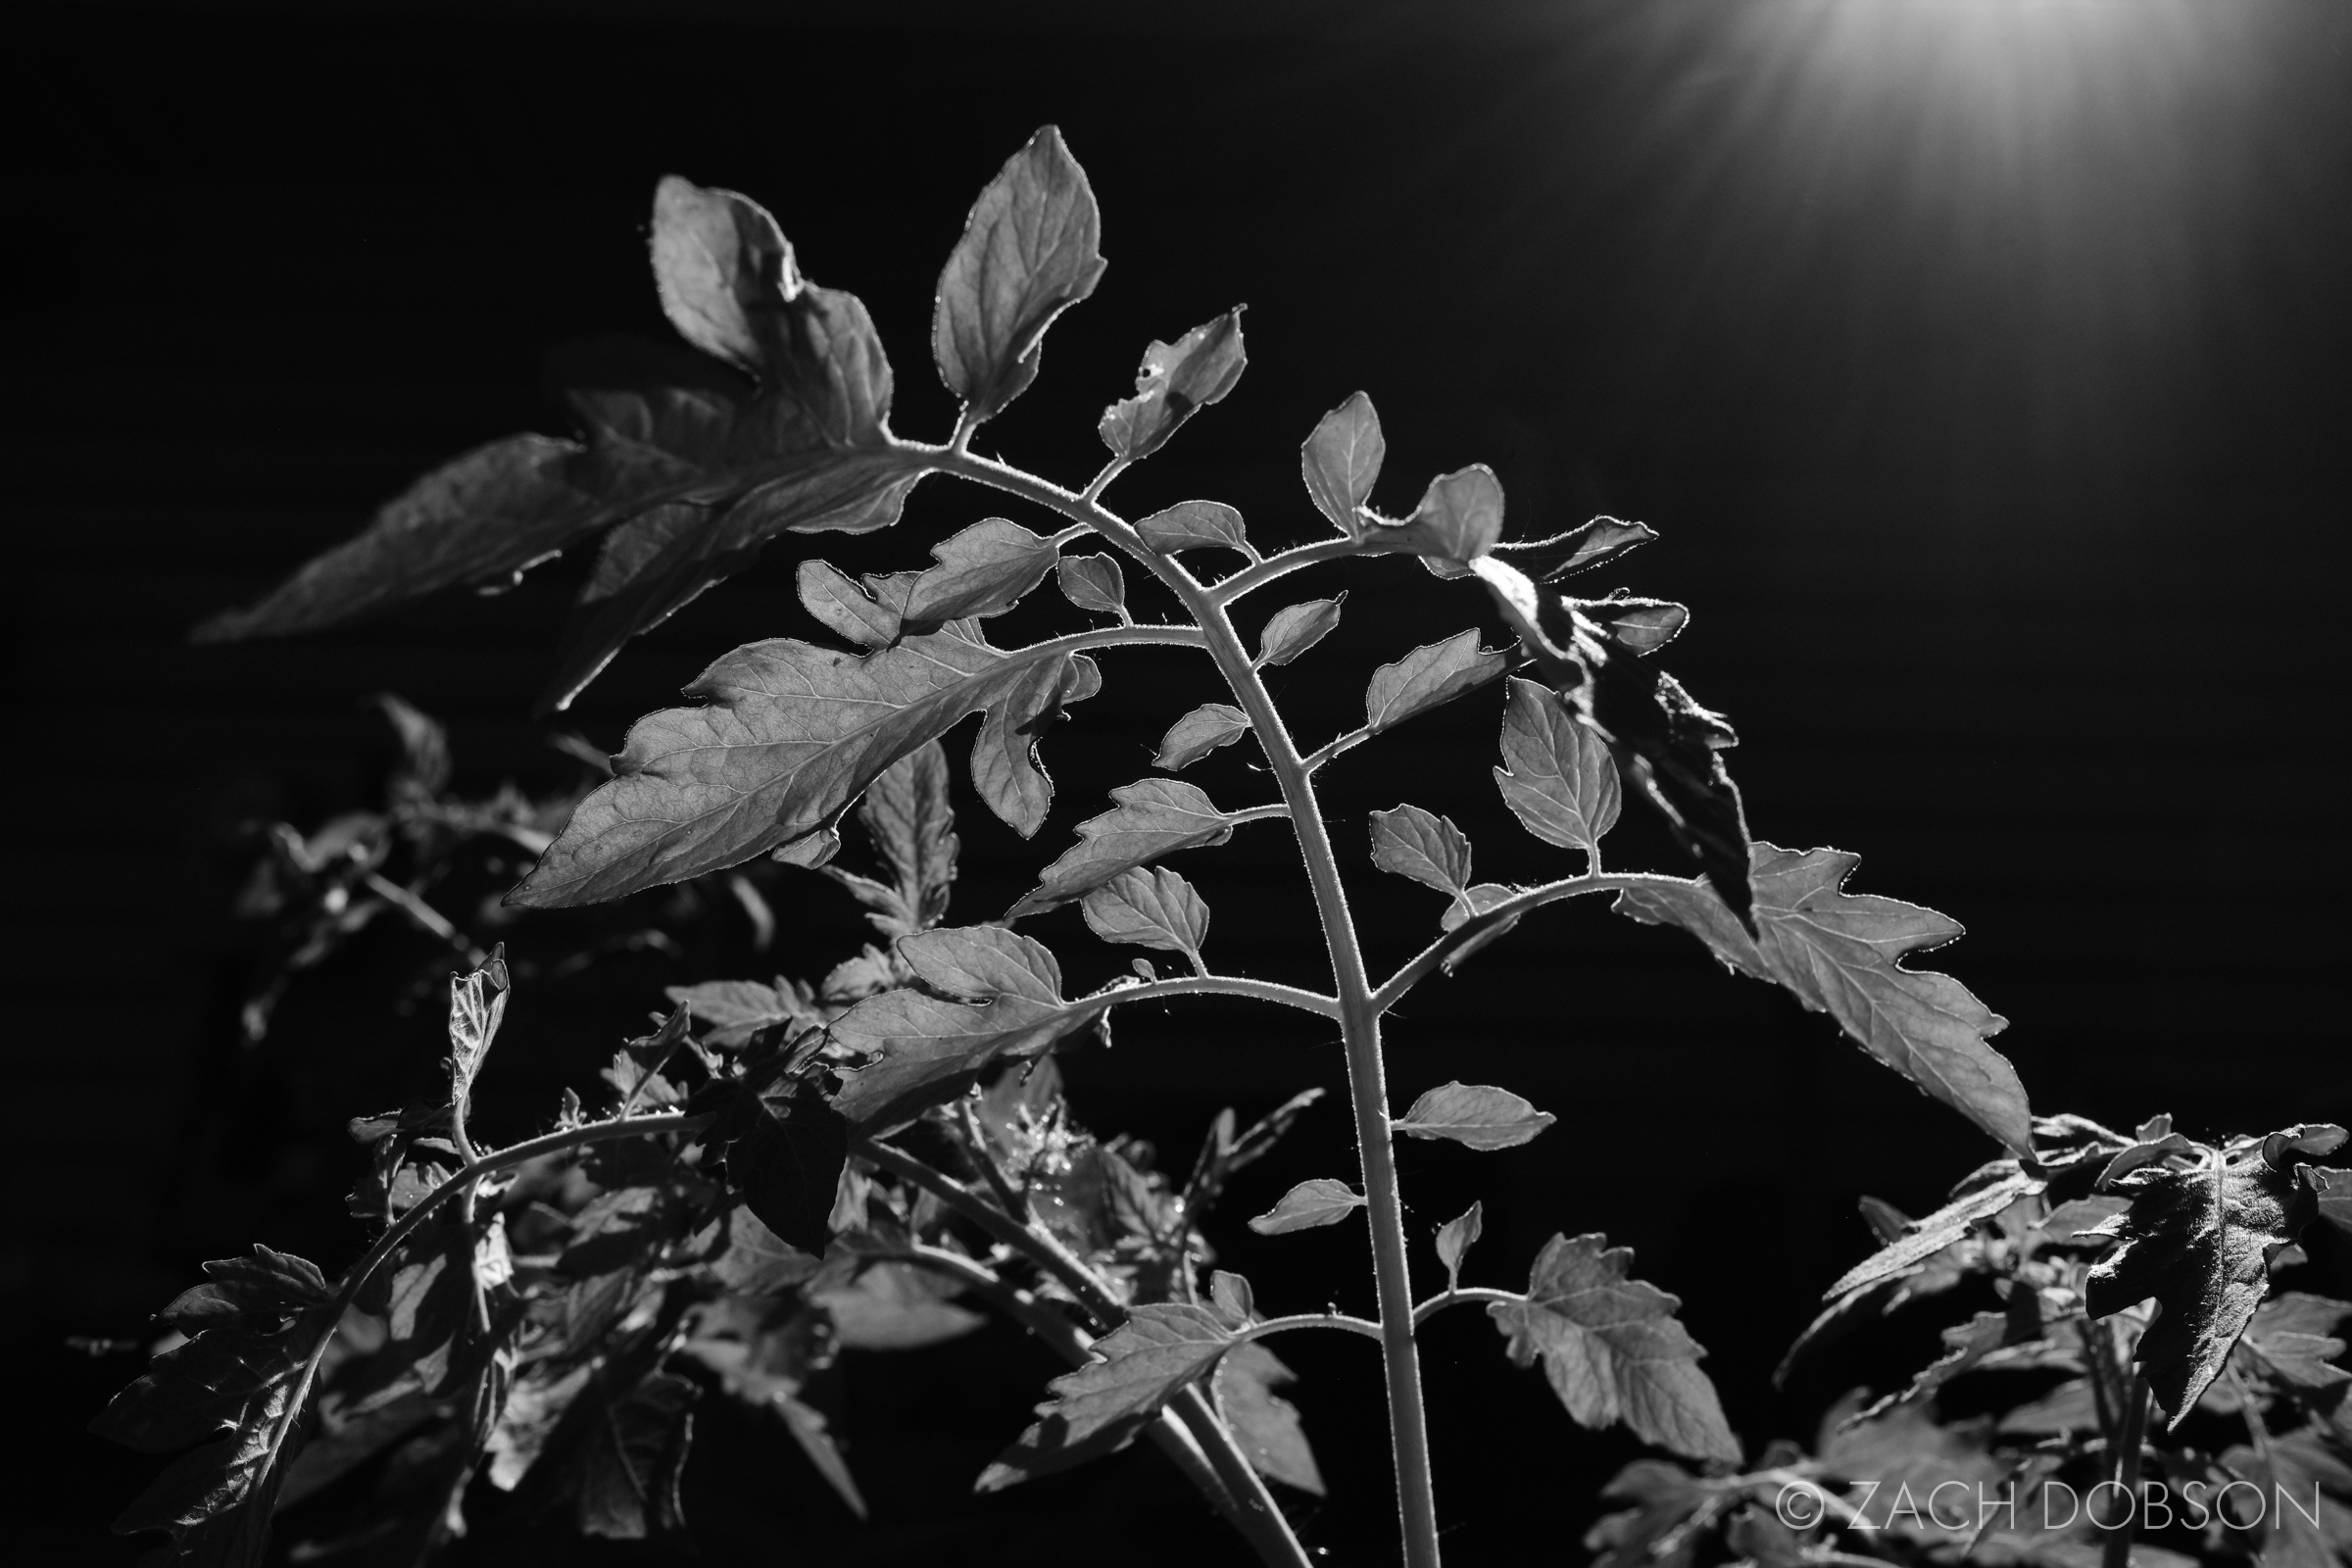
column 1982, row 366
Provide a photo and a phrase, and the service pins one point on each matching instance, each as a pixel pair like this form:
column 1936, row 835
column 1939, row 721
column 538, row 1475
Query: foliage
column 787, row 1169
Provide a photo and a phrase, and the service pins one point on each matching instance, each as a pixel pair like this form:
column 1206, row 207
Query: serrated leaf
column 1031, row 249
column 1341, row 461
column 1005, row 765
column 1198, row 733
column 2199, row 1241
column 1154, row 909
column 1458, row 520
column 982, row 571
column 1614, row 1350
column 724, row 271
column 1093, row 582
column 828, row 594
column 787, row 736
column 1320, row 1202
column 1579, row 549
column 925, row 1049
column 1454, row 1240
column 1666, row 1497
column 1429, row 675
column 1295, row 628
column 1423, row 846
column 1840, row 953
column 1139, row 1367
column 1156, row 816
column 1925, row 1238
column 1475, row 1115
column 1194, row 526
column 893, row 1306
column 911, row 820
column 1263, row 1423
column 1177, row 379
column 738, row 1009
column 1558, row 777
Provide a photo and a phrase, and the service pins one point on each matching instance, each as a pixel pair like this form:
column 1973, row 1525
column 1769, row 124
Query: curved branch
column 1465, row 1292
column 1512, row 909
column 1299, row 557
column 1228, row 985
column 1309, row 1320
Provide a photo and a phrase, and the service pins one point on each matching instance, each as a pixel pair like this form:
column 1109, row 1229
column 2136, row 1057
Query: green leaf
column 1423, row 846
column 1295, row 628
column 1614, row 1350
column 724, row 271
column 1458, row 520
column 983, row 570
column 1990, row 1192
column 927, row 1048
column 1840, row 953
column 1031, row 249
column 1176, row 380
column 1556, row 777
column 2199, row 1241
column 476, row 1005
column 1155, row 817
column 911, row 822
column 1093, row 582
column 789, row 734
column 1156, row 908
column 1474, row 1115
column 1341, row 461
column 1429, row 675
column 1579, row 549
column 1195, row 525
column 1320, row 1202
column 1138, row 1368
column 1263, row 1423
column 1198, row 733
column 1455, row 1237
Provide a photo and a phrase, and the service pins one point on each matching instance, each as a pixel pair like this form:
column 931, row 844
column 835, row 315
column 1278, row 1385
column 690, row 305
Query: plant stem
column 2118, row 1551
column 1457, row 1295
column 1359, row 1015
column 1434, row 955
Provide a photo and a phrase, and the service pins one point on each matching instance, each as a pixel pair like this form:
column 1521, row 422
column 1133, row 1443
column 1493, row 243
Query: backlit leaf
column 1556, row 777
column 910, row 820
column 894, row 1306
column 1614, row 1350
column 1198, row 733
column 1976, row 1200
column 1093, row 582
column 1458, row 520
column 724, row 271
column 2199, row 1241
column 1194, row 526
column 1005, row 767
column 828, row 594
column 1154, row 907
column 927, row 1049
column 1426, row 676
column 1475, row 1115
column 1840, row 953
column 1421, row 844
column 788, row 734
column 1455, row 1237
column 1320, row 1202
column 1579, row 549
column 1295, row 628
column 1341, row 461
column 983, row 570
column 1263, row 1423
column 1030, row 250
column 1176, row 380
column 1097, row 1409
column 738, row 1009
column 1156, row 816
column 476, row 1005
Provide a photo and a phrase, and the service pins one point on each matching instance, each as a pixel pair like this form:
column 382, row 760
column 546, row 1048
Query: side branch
column 1460, row 1293
column 1297, row 559
column 1436, row 953
column 1230, row 984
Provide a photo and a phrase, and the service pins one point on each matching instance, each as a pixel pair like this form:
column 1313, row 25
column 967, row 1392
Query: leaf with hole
column 1423, row 846
column 1341, row 463
column 1474, row 1115
column 1162, row 1348
column 1093, row 582
column 1031, row 249
column 1154, row 818
column 1310, row 1204
column 1177, row 381
column 1198, row 733
column 1614, row 1350
column 1154, row 907
column 1295, row 628
column 1556, row 777
column 1426, row 677
column 787, row 736
column 1194, row 526
column 1842, row 953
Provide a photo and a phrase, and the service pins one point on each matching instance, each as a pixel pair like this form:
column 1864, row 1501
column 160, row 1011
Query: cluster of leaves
column 2142, row 1339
